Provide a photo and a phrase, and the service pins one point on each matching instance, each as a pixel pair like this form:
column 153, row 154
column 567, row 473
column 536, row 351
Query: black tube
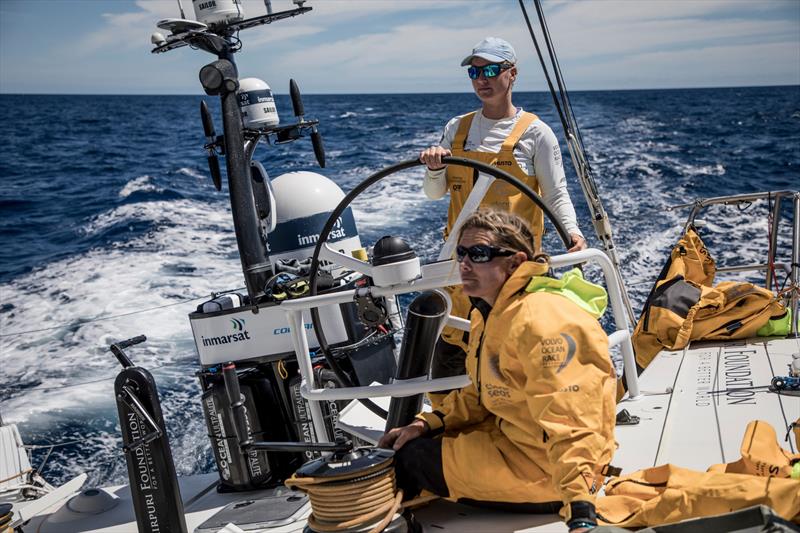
column 260, row 192
column 252, row 252
column 238, row 411
column 423, row 323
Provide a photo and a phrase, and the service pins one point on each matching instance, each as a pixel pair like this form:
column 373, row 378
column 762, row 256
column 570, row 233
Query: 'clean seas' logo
column 239, row 334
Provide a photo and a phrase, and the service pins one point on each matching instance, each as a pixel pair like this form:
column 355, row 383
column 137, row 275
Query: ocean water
column 110, row 226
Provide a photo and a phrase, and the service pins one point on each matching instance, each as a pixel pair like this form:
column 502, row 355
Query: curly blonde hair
column 508, row 231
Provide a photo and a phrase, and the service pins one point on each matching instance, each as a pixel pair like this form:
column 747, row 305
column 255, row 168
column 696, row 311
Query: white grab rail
column 434, row 276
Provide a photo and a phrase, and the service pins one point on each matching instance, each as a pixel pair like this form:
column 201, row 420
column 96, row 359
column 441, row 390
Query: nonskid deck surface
column 717, row 389
column 696, row 405
column 200, row 499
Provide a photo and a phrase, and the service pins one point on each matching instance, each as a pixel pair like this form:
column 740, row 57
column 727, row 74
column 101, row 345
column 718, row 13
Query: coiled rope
column 358, row 499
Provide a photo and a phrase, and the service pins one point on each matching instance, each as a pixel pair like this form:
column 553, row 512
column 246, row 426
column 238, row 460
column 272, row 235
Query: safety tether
column 600, row 221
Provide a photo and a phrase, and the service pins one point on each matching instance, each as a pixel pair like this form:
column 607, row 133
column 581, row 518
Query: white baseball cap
column 492, row 49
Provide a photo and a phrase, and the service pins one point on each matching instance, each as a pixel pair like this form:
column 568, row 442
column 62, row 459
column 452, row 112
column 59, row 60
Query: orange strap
column 525, row 120
column 463, row 130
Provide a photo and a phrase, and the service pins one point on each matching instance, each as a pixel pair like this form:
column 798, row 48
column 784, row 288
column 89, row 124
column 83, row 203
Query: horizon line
column 3, row 93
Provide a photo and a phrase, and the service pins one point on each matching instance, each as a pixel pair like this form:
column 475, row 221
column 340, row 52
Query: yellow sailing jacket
column 543, row 383
column 668, row 493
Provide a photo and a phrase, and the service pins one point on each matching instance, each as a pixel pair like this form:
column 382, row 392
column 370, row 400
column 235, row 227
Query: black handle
column 118, row 347
column 343, row 446
column 238, row 410
column 319, row 148
column 297, row 100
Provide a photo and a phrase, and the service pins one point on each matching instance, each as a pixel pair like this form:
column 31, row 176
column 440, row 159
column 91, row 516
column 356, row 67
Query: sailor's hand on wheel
column 578, row 243
column 397, row 437
column 432, row 157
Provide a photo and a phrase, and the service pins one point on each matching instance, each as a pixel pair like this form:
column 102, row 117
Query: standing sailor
column 514, row 140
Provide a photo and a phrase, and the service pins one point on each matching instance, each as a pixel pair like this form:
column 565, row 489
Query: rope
column 15, row 476
column 359, row 499
column 282, row 372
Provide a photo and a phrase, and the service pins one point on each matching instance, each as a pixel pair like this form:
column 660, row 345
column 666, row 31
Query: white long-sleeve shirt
column 537, row 153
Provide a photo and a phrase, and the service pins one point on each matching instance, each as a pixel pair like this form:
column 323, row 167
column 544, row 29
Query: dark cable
column 544, row 69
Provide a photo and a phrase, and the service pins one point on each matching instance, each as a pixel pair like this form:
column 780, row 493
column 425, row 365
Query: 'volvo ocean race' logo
column 557, row 352
column 239, row 334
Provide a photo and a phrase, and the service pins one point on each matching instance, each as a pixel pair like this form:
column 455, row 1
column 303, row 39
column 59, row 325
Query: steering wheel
column 374, row 178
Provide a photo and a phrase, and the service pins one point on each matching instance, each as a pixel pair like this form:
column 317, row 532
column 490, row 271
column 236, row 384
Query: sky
column 400, row 46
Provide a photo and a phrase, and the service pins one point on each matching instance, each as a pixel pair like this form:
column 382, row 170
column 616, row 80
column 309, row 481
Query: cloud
column 415, row 45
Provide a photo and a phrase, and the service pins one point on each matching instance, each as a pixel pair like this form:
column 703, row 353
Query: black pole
column 423, row 325
column 221, row 78
column 255, row 264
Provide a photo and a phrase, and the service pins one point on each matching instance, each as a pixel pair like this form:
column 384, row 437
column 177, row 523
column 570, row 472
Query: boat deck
column 717, row 389
column 693, row 412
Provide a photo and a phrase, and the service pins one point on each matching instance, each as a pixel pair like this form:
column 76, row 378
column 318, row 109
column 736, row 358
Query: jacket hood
column 519, row 280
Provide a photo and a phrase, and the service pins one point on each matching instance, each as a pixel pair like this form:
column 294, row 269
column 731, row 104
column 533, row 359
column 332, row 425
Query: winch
column 352, row 492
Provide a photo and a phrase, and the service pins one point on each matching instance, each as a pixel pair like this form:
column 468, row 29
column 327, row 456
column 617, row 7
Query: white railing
column 434, row 276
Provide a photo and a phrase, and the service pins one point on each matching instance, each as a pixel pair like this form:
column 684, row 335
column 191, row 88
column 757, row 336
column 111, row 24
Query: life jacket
column 501, row 196
column 684, row 306
column 667, row 493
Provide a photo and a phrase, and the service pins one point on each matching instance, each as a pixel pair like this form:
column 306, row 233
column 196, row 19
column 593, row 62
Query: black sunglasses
column 481, row 253
column 489, row 71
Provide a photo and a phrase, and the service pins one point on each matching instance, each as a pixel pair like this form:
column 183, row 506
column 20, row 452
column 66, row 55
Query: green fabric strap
column 588, row 296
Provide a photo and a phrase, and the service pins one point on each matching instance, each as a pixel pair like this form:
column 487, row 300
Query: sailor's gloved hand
column 432, row 157
column 578, row 243
column 397, row 437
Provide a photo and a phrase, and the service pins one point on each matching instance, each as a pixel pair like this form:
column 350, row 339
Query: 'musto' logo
column 240, row 334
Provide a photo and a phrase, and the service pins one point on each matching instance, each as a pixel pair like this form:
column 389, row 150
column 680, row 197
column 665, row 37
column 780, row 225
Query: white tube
column 617, row 307
column 306, row 371
column 395, row 390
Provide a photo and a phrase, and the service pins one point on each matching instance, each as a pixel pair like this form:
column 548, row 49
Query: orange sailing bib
column 501, row 195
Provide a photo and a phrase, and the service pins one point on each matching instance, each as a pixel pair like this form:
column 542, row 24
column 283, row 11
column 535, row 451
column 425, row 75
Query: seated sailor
column 534, row 429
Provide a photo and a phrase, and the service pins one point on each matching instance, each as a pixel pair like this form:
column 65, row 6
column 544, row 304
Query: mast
column 600, row 220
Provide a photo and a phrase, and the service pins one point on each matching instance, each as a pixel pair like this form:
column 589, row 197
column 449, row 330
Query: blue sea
column 108, row 210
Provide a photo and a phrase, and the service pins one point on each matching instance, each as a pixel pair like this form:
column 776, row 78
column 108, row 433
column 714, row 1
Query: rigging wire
column 600, row 221
column 81, row 321
column 80, row 384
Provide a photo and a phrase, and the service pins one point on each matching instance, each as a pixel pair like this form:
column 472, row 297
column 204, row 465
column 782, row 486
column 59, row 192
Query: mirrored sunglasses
column 489, row 71
column 481, row 253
